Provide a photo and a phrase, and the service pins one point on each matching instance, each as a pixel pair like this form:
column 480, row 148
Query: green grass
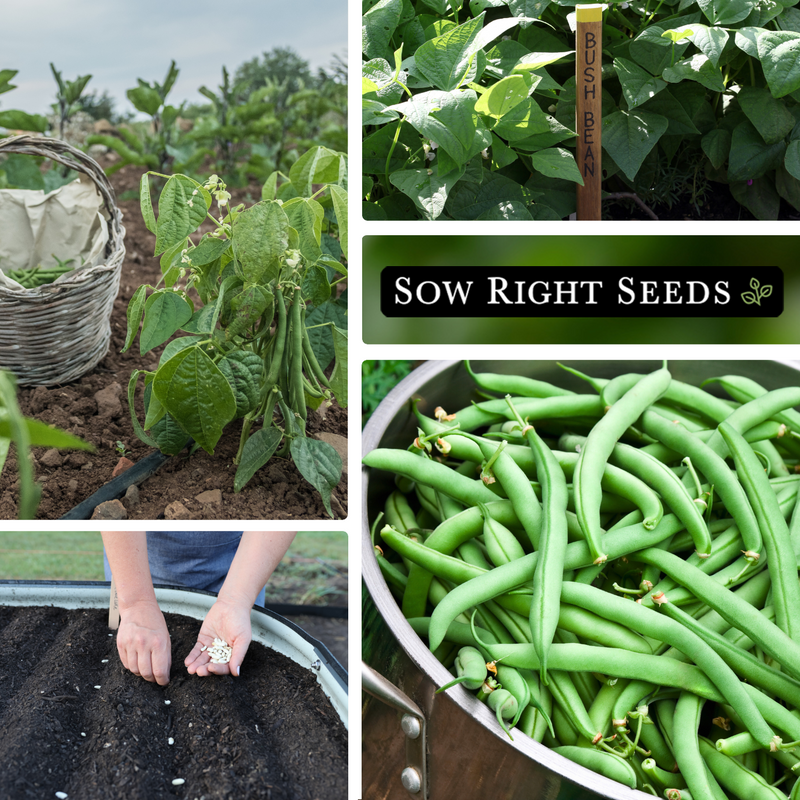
column 314, row 571
column 51, row 556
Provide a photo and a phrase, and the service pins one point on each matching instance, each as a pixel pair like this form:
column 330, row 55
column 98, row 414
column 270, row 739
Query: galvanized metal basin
column 467, row 753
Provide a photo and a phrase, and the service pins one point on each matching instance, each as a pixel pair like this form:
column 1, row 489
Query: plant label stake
column 113, row 607
column 588, row 107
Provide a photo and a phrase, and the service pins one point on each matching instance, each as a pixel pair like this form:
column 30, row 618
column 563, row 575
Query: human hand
column 225, row 620
column 143, row 642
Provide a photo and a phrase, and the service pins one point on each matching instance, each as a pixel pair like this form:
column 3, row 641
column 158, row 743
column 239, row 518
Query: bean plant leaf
column 556, row 162
column 696, row 68
column 180, row 211
column 170, row 438
column 779, row 53
column 320, row 464
column 254, row 302
column 339, row 374
column 726, row 12
column 306, row 217
column 258, row 449
column 134, row 314
column 716, row 145
column 447, row 118
column 428, row 191
column 628, row 136
column 260, row 238
column 146, row 203
column 209, row 250
column 471, row 200
column 194, row 391
column 317, row 166
column 377, row 26
column 164, row 313
column 319, row 333
column 316, row 286
column 244, row 371
column 339, row 197
column 709, row 40
column 792, row 159
column 447, row 59
column 750, row 156
column 769, row 116
column 638, row 85
column 653, row 52
column 500, row 98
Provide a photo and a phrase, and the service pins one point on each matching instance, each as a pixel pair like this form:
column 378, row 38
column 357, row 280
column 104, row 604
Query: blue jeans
column 193, row 559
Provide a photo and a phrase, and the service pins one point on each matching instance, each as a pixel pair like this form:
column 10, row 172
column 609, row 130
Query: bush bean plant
column 255, row 300
column 620, row 562
column 469, row 107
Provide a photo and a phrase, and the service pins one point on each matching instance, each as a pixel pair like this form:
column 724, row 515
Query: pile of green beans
column 622, row 564
column 33, row 277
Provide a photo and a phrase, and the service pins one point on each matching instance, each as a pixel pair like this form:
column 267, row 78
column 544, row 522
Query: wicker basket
column 57, row 332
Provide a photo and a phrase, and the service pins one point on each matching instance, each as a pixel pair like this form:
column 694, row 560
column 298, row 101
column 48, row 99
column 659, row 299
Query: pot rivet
column 410, row 726
column 317, row 665
column 411, row 780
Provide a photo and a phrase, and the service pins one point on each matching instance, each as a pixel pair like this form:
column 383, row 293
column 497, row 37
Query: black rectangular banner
column 582, row 292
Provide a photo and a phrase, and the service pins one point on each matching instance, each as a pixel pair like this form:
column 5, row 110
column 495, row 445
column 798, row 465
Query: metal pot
column 466, row 753
column 268, row 628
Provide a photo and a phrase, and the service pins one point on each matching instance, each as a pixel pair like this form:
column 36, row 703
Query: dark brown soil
column 271, row 733
column 277, row 491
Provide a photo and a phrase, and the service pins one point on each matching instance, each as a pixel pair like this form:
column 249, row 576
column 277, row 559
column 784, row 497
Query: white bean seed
column 62, row 795
column 178, row 782
column 170, row 740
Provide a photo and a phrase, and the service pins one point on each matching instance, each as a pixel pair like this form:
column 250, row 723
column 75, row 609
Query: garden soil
column 271, row 733
column 95, row 407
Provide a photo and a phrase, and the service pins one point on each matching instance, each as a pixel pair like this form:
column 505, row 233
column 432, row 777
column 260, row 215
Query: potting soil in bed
column 73, row 722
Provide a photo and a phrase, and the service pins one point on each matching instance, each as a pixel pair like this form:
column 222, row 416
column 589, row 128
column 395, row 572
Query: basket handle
column 69, row 156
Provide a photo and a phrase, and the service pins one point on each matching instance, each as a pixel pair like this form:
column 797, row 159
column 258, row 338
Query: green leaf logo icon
column 757, row 294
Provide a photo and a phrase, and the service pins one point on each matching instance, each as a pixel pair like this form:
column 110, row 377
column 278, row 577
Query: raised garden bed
column 95, row 408
column 272, row 733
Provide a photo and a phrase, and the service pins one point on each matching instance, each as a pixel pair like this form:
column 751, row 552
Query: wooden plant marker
column 588, row 107
column 113, row 607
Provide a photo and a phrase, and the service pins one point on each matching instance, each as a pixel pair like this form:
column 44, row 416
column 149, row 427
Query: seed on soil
column 166, row 702
column 96, row 687
column 220, row 652
column 62, row 795
column 104, row 661
column 178, row 782
column 170, row 740
column 83, row 734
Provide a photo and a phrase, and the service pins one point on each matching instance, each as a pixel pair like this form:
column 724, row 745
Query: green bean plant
column 68, row 97
column 160, row 144
column 255, row 302
column 469, row 108
column 25, row 433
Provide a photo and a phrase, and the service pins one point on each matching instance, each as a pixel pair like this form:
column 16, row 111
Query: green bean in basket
column 638, row 541
column 33, row 277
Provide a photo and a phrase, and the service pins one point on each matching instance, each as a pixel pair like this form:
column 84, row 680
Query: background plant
column 703, row 90
column 267, row 325
column 25, row 433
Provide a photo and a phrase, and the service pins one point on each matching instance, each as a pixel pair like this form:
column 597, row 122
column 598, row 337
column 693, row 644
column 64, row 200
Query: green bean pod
column 608, row 764
column 597, row 450
column 781, row 560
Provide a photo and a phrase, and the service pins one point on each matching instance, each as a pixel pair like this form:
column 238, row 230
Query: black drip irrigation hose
column 116, row 488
